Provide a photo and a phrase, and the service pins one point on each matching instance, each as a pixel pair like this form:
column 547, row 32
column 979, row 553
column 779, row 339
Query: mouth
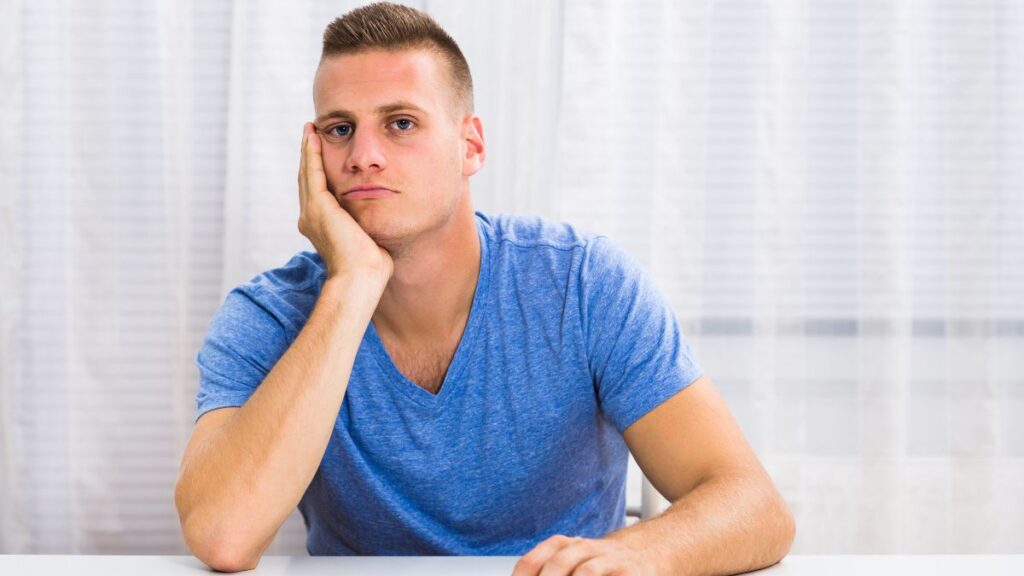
column 368, row 192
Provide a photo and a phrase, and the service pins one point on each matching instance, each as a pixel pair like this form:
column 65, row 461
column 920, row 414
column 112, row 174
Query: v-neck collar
column 452, row 379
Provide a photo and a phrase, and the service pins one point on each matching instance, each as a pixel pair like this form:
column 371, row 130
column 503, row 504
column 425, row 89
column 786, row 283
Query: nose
column 366, row 153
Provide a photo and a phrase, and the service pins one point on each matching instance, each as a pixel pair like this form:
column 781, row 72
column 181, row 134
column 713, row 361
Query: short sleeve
column 637, row 354
column 242, row 344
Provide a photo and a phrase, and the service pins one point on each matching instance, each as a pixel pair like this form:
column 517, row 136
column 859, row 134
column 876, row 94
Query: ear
column 472, row 135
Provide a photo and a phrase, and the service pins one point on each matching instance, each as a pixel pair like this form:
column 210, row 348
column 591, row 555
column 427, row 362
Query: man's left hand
column 562, row 556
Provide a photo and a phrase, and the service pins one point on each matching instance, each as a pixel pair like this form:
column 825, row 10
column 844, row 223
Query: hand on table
column 562, row 555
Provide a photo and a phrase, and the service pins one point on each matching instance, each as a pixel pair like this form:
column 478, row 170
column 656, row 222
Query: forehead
column 363, row 81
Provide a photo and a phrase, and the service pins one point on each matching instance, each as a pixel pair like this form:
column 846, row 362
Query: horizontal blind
column 122, row 179
column 830, row 194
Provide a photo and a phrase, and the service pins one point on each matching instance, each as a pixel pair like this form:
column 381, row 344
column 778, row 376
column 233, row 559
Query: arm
column 728, row 524
column 243, row 474
column 726, row 517
column 245, row 469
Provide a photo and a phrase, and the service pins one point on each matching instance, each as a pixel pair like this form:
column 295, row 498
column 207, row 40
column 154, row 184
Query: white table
column 30, row 565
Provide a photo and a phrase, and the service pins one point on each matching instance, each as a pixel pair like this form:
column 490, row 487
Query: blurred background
column 830, row 193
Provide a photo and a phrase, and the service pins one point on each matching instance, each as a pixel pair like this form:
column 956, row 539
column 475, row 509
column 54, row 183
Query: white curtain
column 830, row 193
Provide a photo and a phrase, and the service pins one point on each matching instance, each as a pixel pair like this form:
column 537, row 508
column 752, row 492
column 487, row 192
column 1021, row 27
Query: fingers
column 312, row 178
column 542, row 555
column 312, row 183
column 567, row 560
column 302, row 163
column 313, row 162
column 597, row 565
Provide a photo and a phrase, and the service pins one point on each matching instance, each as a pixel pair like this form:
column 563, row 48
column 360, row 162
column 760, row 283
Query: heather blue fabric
column 566, row 345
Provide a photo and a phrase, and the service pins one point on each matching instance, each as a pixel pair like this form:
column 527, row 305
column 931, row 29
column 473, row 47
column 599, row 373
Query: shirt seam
column 280, row 316
column 316, row 277
column 541, row 244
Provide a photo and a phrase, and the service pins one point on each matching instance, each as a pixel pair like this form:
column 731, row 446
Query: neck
column 431, row 290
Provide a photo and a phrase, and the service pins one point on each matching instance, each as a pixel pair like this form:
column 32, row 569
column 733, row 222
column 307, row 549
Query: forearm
column 726, row 525
column 241, row 485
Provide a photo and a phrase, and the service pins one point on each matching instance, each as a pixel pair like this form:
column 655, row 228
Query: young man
column 436, row 381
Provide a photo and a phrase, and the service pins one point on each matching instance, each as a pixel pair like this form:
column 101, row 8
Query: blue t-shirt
column 567, row 343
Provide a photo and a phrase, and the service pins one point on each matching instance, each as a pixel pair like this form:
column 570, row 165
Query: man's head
column 394, row 28
column 394, row 101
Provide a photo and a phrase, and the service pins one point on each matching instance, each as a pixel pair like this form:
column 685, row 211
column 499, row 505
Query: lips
column 370, row 191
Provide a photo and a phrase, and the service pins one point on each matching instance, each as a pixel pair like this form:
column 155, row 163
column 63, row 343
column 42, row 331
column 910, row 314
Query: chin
column 390, row 240
column 393, row 229
column 386, row 230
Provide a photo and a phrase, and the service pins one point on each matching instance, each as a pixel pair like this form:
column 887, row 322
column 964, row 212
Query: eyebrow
column 380, row 111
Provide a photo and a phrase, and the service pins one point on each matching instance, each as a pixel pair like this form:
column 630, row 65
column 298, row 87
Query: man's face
column 390, row 119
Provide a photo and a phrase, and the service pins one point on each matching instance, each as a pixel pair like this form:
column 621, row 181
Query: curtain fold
column 830, row 195
column 12, row 519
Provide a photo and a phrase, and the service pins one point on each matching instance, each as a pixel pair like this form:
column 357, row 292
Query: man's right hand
column 343, row 245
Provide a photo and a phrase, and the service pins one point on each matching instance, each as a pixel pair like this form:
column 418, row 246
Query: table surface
column 936, row 565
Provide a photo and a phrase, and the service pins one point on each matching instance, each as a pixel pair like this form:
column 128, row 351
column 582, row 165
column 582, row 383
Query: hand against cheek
column 341, row 242
column 562, row 556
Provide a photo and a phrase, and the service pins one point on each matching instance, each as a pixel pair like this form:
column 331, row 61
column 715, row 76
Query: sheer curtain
column 830, row 194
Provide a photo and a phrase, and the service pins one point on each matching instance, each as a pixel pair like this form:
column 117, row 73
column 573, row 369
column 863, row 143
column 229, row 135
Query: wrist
column 363, row 290
column 650, row 540
column 370, row 273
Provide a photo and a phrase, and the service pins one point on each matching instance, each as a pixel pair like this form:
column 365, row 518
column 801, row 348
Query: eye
column 403, row 124
column 339, row 130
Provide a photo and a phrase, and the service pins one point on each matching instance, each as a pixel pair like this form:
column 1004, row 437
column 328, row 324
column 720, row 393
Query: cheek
column 450, row 157
column 332, row 159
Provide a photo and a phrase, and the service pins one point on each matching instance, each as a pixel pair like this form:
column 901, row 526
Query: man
column 436, row 381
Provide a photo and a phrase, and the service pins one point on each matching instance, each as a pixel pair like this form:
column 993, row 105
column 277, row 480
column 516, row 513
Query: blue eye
column 403, row 124
column 339, row 131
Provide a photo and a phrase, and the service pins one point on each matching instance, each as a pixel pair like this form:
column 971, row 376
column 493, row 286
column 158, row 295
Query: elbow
column 785, row 529
column 221, row 554
column 777, row 525
column 216, row 546
column 227, row 560
column 789, row 533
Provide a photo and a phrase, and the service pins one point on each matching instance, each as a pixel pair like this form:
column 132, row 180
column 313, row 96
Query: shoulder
column 533, row 250
column 513, row 231
column 539, row 240
column 302, row 272
column 286, row 294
